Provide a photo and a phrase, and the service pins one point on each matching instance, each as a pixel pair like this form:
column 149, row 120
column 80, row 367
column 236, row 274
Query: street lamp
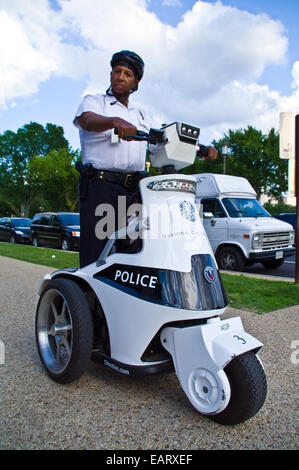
column 224, row 149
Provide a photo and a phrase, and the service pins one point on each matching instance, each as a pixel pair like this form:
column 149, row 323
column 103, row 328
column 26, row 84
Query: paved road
column 105, row 410
column 286, row 270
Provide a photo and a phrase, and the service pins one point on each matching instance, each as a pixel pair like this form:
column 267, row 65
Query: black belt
column 128, row 180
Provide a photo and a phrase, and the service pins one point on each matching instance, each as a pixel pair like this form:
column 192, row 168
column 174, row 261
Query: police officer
column 111, row 170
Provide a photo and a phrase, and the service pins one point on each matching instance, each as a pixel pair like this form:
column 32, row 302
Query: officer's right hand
column 124, row 128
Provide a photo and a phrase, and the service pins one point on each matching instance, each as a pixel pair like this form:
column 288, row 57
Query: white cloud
column 204, row 70
column 22, row 66
column 171, row 3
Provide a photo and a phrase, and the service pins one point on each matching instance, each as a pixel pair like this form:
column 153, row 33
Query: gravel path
column 106, row 410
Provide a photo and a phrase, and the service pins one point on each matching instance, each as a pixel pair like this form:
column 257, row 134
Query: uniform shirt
column 97, row 148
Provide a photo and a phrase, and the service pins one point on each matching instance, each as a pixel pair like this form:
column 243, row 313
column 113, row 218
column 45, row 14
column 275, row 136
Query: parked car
column 56, row 229
column 289, row 217
column 15, row 229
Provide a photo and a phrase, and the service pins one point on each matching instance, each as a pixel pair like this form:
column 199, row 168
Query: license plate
column 279, row 254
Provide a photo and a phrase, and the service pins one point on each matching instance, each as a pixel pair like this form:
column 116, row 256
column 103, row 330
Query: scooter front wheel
column 248, row 389
column 64, row 330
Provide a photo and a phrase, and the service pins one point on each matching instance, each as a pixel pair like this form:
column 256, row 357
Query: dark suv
column 56, row 229
column 15, row 229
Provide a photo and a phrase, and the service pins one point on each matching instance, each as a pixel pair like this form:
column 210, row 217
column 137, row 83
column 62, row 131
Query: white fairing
column 168, row 244
column 175, row 234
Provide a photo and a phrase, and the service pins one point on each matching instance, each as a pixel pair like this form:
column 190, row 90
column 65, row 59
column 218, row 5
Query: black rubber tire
column 35, row 241
column 273, row 263
column 65, row 244
column 248, row 389
column 230, row 258
column 78, row 319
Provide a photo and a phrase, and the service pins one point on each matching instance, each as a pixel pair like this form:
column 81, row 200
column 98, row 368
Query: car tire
column 65, row 244
column 35, row 241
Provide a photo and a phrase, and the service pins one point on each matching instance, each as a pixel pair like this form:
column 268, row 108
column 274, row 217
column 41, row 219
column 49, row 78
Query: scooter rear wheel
column 64, row 330
column 248, row 389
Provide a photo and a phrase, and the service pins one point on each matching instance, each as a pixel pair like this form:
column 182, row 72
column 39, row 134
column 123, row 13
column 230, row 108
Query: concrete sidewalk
column 106, row 410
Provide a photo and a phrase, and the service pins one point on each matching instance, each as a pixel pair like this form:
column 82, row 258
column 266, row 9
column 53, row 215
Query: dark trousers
column 93, row 216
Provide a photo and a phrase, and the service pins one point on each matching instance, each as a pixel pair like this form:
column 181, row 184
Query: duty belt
column 128, row 180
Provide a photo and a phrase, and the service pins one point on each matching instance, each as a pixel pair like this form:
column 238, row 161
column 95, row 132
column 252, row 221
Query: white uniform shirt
column 97, row 148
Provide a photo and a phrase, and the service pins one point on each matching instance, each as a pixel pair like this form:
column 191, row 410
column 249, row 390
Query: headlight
column 18, row 232
column 256, row 240
column 76, row 234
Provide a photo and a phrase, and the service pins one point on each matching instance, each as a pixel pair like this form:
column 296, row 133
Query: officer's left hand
column 212, row 154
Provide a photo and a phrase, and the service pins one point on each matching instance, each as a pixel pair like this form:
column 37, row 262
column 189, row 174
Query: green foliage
column 36, row 170
column 278, row 208
column 254, row 156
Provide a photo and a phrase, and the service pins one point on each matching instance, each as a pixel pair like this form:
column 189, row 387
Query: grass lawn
column 45, row 256
column 243, row 292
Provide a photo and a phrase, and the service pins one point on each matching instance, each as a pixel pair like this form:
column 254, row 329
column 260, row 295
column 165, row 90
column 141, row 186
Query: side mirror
column 208, row 215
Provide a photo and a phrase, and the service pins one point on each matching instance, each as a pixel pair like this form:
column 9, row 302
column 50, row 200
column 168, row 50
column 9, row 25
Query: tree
column 254, row 156
column 56, row 180
column 18, row 191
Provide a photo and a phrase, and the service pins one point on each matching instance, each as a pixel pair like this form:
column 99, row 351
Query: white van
column 240, row 230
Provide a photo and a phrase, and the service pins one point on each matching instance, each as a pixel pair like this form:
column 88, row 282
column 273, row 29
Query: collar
column 114, row 101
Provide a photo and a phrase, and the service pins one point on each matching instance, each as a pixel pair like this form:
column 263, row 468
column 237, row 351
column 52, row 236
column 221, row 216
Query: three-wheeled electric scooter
column 156, row 309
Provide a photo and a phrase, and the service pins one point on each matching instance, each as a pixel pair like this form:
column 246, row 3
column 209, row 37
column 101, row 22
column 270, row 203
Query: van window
column 214, row 206
column 243, row 207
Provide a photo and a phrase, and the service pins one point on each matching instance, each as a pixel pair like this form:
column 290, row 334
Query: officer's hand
column 212, row 154
column 124, row 128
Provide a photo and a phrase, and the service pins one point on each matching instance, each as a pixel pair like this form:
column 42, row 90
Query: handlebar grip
column 203, row 151
column 153, row 137
column 138, row 133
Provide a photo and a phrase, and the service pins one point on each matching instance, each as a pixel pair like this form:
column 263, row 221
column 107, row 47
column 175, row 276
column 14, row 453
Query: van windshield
column 242, row 207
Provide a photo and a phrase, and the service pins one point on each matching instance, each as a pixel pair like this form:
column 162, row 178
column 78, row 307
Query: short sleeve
column 89, row 103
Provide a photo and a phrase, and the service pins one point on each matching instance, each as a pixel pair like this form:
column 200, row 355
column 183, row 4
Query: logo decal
column 209, row 274
column 188, row 210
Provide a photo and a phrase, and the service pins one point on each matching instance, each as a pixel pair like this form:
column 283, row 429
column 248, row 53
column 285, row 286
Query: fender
column 200, row 354
column 236, row 244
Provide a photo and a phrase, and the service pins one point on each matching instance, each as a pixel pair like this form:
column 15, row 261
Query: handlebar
column 203, row 151
column 157, row 136
column 154, row 136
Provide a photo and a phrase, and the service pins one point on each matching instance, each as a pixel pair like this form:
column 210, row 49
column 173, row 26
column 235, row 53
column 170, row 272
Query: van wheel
column 230, row 258
column 273, row 263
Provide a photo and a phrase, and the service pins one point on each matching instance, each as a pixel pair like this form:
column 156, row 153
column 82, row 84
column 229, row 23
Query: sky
column 218, row 65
